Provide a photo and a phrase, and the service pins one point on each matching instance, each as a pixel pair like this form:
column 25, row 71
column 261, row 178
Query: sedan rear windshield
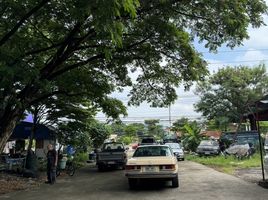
column 208, row 143
column 152, row 151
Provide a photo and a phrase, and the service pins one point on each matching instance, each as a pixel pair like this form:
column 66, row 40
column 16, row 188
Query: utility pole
column 169, row 118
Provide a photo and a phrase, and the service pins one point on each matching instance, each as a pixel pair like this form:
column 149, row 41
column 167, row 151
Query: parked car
column 208, row 147
column 240, row 150
column 152, row 162
column 177, row 150
column 112, row 154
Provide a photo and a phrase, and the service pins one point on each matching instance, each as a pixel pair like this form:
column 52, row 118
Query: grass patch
column 227, row 165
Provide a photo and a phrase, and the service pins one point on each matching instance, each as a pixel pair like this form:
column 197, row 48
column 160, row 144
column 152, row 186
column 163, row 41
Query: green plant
column 192, row 137
column 80, row 159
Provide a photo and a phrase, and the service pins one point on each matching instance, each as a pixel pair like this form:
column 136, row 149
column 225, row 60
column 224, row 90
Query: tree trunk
column 34, row 128
column 7, row 124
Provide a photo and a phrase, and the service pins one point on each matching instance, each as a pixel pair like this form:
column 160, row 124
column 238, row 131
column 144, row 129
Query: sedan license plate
column 111, row 162
column 150, row 169
column 207, row 153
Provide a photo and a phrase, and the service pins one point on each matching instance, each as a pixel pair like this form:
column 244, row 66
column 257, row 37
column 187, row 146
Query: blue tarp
column 23, row 131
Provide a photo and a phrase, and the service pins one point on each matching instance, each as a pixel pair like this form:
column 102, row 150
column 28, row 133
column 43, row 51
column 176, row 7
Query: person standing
column 52, row 160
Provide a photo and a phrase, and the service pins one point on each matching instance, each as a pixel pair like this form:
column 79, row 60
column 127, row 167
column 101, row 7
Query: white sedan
column 152, row 162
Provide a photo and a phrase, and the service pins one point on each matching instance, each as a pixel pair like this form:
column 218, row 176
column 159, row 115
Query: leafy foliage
column 192, row 137
column 89, row 48
column 229, row 93
column 178, row 125
column 154, row 129
column 98, row 133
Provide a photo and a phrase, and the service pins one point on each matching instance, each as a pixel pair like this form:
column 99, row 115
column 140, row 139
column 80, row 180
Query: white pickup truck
column 112, row 154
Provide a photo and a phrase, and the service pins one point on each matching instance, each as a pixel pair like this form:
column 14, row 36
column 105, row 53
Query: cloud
column 214, row 65
column 252, row 57
column 258, row 37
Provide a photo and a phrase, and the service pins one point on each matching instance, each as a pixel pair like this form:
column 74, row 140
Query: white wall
column 42, row 153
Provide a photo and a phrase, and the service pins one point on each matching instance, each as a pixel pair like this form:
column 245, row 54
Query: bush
column 80, row 159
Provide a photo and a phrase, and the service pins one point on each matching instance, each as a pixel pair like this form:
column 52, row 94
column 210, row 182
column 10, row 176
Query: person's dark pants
column 51, row 174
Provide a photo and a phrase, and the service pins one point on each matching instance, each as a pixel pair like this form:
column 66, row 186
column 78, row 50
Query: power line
column 237, row 61
column 232, row 51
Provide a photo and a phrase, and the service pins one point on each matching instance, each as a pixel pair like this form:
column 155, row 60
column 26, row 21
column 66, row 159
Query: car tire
column 101, row 168
column 132, row 183
column 182, row 159
column 175, row 182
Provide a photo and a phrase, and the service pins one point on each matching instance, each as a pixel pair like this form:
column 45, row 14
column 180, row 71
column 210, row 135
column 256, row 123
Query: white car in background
column 177, row 150
column 152, row 162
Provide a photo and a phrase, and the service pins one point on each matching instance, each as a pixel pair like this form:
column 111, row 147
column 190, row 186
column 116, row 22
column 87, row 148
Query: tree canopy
column 227, row 95
column 95, row 45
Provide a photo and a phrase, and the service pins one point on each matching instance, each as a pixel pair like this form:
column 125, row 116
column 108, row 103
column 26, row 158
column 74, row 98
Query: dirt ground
column 253, row 175
column 12, row 182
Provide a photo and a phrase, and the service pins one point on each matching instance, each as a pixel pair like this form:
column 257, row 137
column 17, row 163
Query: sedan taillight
column 133, row 167
column 167, row 167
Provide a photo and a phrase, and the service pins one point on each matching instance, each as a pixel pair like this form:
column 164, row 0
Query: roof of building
column 214, row 134
column 23, row 131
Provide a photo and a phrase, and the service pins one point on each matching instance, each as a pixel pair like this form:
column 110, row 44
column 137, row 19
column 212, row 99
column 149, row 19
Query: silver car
column 177, row 150
column 208, row 147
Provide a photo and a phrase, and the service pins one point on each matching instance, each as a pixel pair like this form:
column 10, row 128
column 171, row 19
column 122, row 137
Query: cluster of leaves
column 89, row 48
column 154, row 128
column 190, row 133
column 228, row 94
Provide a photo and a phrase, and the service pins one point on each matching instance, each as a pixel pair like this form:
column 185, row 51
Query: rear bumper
column 207, row 153
column 152, row 175
column 111, row 162
column 179, row 156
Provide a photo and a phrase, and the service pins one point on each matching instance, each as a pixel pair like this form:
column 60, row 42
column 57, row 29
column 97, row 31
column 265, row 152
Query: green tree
column 131, row 132
column 94, row 45
column 228, row 93
column 118, row 128
column 67, row 115
column 154, row 129
column 73, row 133
column 192, row 137
column 98, row 133
column 178, row 125
column 218, row 123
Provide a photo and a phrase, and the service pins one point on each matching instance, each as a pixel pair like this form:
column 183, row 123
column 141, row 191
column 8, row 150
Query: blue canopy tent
column 23, row 131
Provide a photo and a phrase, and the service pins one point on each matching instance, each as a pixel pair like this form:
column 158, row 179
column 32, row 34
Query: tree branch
column 73, row 66
column 22, row 20
column 61, row 53
column 58, row 92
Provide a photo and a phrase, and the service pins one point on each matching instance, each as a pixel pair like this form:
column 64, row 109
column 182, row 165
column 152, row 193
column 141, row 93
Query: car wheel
column 132, row 183
column 101, row 168
column 175, row 182
column 182, row 159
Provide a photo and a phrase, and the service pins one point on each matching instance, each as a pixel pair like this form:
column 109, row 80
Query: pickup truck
column 112, row 154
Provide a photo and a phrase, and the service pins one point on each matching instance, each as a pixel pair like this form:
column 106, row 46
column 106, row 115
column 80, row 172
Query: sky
column 253, row 52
